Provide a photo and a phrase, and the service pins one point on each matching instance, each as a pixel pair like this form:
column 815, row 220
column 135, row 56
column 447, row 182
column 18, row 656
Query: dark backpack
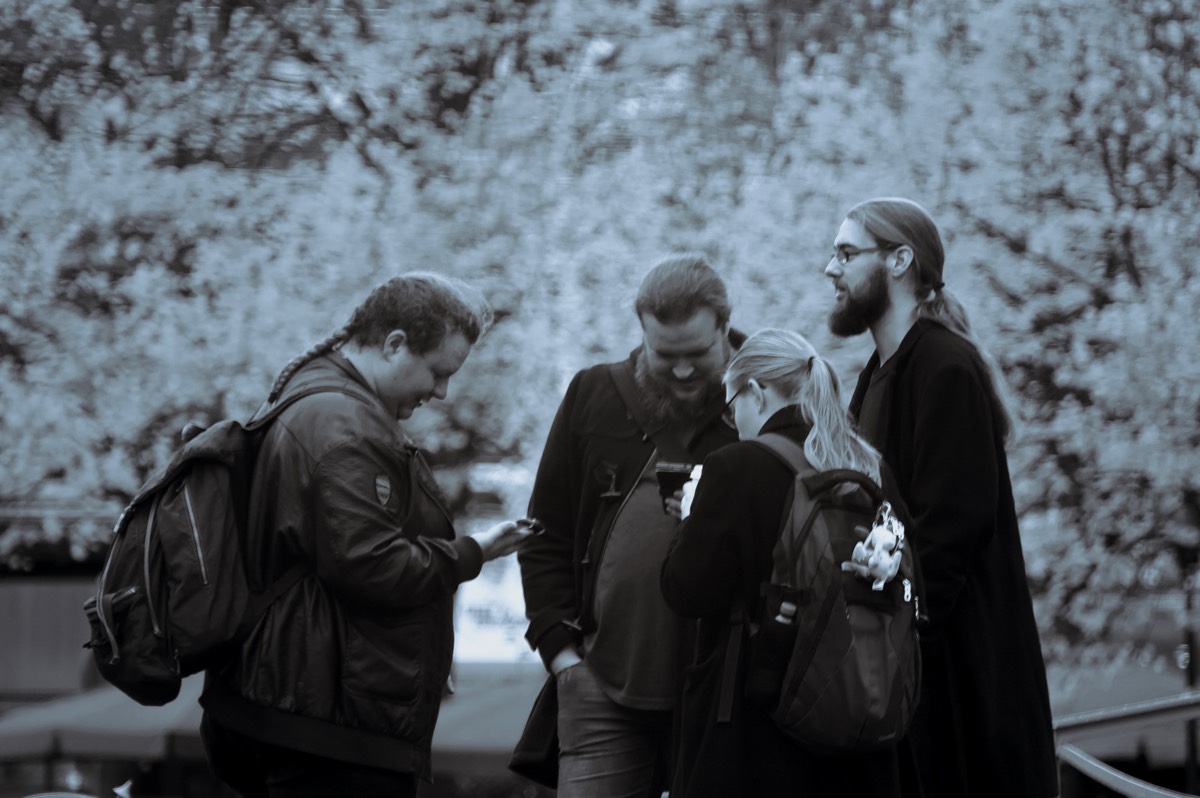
column 843, row 673
column 174, row 597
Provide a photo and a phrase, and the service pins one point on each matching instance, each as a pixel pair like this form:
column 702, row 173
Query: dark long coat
column 723, row 550
column 984, row 724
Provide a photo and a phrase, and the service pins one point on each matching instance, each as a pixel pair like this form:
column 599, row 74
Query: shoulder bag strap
column 261, row 602
column 627, row 388
column 786, row 449
column 267, row 413
column 733, row 650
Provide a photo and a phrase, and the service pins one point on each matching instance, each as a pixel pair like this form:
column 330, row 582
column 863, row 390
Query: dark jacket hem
column 308, row 735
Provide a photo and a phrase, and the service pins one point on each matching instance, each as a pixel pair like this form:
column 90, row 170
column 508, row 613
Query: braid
column 296, row 363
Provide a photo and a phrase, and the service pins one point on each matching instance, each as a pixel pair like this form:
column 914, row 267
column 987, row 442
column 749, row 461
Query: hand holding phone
column 534, row 526
column 671, row 477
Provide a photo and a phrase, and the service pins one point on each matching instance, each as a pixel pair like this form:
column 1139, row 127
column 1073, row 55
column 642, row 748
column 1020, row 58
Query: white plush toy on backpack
column 878, row 556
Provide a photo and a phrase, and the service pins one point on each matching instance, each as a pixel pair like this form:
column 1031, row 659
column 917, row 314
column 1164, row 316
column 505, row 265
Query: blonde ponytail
column 787, row 361
column 833, row 441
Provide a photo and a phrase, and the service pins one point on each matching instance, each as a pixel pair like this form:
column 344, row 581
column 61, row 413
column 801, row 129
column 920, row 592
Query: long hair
column 427, row 306
column 787, row 361
column 894, row 222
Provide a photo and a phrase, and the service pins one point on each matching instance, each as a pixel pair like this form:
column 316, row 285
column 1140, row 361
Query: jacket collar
column 787, row 421
column 331, row 366
column 334, row 367
column 907, row 344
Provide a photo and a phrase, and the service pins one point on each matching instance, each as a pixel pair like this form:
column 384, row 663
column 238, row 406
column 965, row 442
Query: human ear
column 901, row 259
column 394, row 342
column 759, row 393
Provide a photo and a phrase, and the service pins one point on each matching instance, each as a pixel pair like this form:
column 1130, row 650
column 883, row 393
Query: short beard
column 661, row 401
column 858, row 311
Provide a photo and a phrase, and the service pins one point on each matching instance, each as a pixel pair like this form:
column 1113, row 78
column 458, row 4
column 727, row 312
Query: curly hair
column 427, row 306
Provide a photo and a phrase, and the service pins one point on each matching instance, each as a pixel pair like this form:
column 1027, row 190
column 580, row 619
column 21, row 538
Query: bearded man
column 596, row 614
column 932, row 401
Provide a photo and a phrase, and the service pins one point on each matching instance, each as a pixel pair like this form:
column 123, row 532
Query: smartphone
column 534, row 526
column 671, row 477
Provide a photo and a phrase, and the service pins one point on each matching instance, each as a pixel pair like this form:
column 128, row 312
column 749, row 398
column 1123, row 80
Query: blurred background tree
column 195, row 190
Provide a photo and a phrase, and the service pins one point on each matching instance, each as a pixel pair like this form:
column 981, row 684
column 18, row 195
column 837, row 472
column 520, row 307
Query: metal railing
column 1081, row 726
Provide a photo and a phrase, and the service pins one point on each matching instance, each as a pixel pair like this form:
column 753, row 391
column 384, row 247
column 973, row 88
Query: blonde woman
column 775, row 383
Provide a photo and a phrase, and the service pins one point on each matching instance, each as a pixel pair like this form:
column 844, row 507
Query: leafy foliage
column 195, row 190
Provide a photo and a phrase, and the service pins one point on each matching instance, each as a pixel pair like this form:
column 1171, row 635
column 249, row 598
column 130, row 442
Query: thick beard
column 859, row 310
column 662, row 402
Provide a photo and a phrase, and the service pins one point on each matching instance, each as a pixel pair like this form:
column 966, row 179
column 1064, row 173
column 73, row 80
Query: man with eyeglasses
column 931, row 400
column 596, row 614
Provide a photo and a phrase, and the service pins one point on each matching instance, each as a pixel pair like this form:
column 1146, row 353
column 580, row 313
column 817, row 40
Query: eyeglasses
column 844, row 253
column 729, row 405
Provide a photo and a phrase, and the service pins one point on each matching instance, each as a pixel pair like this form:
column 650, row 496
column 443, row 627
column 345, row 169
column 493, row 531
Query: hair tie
column 939, row 285
column 811, row 359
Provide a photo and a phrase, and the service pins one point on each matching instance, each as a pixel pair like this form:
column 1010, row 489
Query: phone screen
column 671, row 477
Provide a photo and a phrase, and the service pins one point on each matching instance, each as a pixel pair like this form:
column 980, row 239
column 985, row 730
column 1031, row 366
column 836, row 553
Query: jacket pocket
column 385, row 661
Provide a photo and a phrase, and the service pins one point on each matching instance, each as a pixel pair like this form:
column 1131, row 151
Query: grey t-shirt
column 633, row 651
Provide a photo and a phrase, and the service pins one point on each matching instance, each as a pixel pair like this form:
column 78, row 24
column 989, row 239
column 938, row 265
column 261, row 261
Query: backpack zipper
column 146, row 569
column 187, row 500
column 105, row 622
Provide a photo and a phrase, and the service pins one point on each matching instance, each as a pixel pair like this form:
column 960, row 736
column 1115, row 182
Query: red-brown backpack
column 835, row 664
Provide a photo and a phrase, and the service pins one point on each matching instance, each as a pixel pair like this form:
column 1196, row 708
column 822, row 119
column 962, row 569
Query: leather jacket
column 351, row 662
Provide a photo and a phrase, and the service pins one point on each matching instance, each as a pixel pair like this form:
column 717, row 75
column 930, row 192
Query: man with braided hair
column 931, row 400
column 337, row 689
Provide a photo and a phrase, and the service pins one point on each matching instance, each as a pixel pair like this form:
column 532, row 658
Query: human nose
column 833, row 268
column 440, row 389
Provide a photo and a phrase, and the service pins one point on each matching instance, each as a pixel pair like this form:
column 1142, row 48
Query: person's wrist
column 564, row 659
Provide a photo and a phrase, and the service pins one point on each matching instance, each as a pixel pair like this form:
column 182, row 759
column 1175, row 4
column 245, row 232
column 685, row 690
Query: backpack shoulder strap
column 733, row 650
column 791, row 454
column 262, row 601
column 817, row 482
column 786, row 449
column 267, row 413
